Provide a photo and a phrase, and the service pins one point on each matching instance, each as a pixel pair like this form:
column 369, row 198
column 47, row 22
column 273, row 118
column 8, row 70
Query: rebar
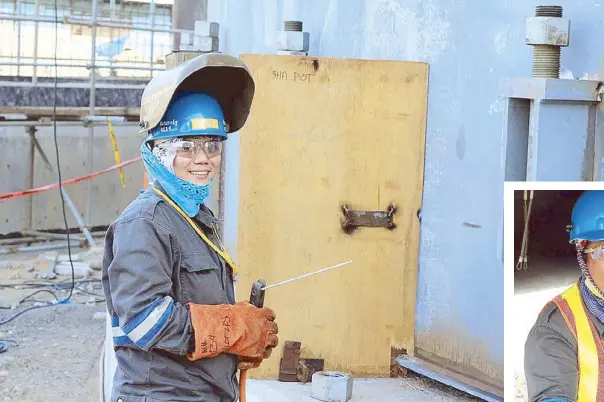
column 41, row 247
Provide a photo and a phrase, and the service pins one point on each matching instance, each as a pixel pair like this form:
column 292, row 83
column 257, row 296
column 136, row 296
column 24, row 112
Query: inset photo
column 556, row 320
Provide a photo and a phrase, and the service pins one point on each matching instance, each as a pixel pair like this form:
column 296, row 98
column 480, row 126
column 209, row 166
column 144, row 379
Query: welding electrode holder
column 257, row 294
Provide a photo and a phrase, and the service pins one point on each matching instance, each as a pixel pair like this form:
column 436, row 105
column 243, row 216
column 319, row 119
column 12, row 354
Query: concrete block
column 176, row 58
column 331, row 386
column 80, row 269
column 186, row 40
column 206, row 28
column 205, row 44
column 292, row 40
column 552, row 31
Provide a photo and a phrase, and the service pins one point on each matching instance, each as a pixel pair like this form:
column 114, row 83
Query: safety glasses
column 596, row 252
column 190, row 148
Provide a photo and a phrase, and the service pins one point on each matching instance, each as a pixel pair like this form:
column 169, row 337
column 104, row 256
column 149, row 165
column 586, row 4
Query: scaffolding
column 85, row 47
column 113, row 39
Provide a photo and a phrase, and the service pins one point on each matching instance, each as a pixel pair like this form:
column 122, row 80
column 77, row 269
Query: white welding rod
column 307, row 275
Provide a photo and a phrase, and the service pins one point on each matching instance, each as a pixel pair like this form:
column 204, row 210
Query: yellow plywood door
column 322, row 133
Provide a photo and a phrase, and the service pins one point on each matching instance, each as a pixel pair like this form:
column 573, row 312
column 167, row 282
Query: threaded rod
column 546, row 61
column 548, row 11
column 295, row 26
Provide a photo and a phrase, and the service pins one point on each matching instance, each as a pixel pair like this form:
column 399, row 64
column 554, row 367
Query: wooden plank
column 324, row 132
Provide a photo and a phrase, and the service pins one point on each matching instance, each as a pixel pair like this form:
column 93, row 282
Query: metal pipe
column 28, row 123
column 152, row 12
column 17, row 240
column 184, row 15
column 92, row 105
column 32, row 239
column 88, row 22
column 31, row 130
column 66, row 197
column 47, row 235
column 78, row 218
column 41, row 247
column 34, row 78
column 81, row 65
column 18, row 5
column 70, row 59
column 68, row 85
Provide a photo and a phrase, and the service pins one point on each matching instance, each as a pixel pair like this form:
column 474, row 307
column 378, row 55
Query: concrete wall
column 107, row 197
column 43, row 211
column 469, row 45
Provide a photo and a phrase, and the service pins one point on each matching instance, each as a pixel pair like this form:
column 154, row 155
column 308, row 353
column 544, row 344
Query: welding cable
column 4, row 344
column 54, row 124
column 26, row 298
column 528, row 204
column 23, row 312
column 54, row 127
column 60, row 286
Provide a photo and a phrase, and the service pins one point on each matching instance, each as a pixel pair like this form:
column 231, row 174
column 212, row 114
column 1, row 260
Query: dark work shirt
column 550, row 357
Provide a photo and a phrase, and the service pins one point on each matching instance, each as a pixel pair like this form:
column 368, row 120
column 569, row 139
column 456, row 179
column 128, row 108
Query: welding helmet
column 587, row 220
column 223, row 79
column 211, row 95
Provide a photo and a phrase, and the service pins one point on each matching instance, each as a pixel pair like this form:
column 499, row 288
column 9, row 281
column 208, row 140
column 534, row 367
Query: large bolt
column 292, row 41
column 546, row 58
column 547, row 32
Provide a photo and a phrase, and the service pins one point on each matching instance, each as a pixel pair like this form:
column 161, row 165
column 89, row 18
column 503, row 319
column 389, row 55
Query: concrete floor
column 363, row 390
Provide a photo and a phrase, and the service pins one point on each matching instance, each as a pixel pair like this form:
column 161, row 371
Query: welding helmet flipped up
column 209, row 95
column 222, row 77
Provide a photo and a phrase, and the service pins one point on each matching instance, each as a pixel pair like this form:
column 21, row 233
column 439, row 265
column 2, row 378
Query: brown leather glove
column 249, row 364
column 246, row 363
column 240, row 329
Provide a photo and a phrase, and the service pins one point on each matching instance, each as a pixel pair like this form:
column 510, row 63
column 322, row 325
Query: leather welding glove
column 246, row 363
column 240, row 329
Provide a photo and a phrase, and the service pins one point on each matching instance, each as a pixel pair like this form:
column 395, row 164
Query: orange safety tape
column 33, row 191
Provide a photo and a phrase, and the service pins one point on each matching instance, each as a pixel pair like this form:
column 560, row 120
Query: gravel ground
column 57, row 356
column 53, row 351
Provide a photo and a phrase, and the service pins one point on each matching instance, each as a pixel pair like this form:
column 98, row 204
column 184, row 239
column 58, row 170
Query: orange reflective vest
column 590, row 353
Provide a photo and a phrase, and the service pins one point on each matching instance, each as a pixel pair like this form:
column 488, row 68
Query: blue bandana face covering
column 186, row 195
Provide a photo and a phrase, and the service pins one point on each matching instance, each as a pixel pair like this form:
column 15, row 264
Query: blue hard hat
column 587, row 221
column 191, row 114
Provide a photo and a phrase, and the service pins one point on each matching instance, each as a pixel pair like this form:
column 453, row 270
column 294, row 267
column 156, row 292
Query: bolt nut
column 292, row 40
column 205, row 44
column 551, row 31
column 206, row 28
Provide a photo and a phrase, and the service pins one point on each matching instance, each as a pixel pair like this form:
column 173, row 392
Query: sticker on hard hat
column 167, row 126
column 203, row 124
